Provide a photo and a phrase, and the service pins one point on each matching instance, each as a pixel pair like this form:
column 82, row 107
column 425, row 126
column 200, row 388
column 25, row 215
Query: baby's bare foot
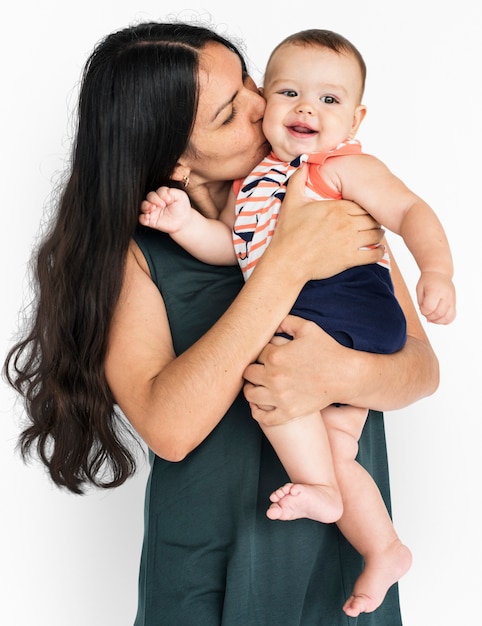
column 380, row 573
column 316, row 502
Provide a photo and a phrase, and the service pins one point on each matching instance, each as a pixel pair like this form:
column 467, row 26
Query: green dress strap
column 210, row 555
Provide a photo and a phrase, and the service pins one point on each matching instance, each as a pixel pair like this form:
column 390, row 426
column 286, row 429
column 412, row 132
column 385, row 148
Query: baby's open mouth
column 304, row 130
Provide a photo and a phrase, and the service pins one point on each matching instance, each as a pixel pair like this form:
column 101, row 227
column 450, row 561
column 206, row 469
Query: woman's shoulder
column 135, row 256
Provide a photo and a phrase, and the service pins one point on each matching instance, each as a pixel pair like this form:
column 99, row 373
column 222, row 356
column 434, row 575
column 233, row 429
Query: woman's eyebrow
column 223, row 106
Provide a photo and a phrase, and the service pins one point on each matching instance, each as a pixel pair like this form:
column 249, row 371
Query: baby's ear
column 358, row 118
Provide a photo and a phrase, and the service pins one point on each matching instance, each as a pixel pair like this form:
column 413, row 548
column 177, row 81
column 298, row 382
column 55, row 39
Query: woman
column 128, row 318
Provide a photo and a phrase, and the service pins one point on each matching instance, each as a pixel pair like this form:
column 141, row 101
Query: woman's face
column 227, row 140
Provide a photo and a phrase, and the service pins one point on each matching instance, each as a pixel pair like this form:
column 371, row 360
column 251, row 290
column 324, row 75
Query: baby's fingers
column 437, row 310
column 145, row 218
column 436, row 297
column 154, row 197
column 443, row 314
column 147, row 206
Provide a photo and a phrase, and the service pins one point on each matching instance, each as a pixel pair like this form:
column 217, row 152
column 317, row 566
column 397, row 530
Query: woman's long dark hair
column 136, row 111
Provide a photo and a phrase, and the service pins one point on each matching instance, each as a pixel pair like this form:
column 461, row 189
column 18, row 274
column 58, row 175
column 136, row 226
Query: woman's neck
column 210, row 198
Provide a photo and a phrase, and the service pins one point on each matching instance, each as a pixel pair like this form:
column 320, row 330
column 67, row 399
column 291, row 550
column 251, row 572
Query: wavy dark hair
column 137, row 105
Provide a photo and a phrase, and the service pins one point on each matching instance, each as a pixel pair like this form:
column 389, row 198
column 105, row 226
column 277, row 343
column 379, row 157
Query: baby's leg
column 365, row 521
column 303, row 447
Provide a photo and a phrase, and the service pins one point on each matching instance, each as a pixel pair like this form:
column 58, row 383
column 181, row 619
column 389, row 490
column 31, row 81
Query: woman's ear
column 181, row 174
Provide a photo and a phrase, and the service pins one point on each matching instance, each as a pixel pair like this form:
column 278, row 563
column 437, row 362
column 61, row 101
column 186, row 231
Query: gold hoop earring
column 185, row 181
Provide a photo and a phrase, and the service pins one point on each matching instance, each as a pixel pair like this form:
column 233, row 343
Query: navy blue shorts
column 357, row 307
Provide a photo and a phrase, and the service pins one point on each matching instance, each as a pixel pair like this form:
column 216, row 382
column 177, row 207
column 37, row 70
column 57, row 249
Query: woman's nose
column 258, row 106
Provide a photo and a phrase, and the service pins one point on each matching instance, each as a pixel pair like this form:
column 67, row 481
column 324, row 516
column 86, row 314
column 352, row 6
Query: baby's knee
column 344, row 446
column 344, row 426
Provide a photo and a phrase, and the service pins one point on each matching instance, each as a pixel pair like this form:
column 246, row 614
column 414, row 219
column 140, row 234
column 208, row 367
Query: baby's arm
column 425, row 237
column 168, row 209
column 367, row 181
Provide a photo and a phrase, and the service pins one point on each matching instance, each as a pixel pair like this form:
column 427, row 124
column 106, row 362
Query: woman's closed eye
column 231, row 116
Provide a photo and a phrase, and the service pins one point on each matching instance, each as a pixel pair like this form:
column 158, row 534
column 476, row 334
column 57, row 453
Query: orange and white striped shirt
column 259, row 198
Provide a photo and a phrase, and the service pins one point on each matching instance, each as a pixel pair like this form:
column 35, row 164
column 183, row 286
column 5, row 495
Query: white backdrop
column 72, row 561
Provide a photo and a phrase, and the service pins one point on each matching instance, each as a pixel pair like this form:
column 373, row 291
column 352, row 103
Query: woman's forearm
column 388, row 382
column 174, row 403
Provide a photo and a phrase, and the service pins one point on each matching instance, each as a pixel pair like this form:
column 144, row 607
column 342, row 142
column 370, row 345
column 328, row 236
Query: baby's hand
column 436, row 297
column 168, row 209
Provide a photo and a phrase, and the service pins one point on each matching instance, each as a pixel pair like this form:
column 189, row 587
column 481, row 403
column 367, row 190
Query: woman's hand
column 324, row 237
column 299, row 377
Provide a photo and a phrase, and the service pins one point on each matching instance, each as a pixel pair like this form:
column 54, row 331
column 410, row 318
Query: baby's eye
column 329, row 99
column 289, row 93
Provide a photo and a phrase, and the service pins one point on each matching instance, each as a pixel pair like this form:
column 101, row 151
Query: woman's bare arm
column 160, row 394
column 314, row 370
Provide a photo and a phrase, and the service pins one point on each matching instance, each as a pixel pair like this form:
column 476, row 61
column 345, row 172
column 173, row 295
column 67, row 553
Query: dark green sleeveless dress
column 210, row 556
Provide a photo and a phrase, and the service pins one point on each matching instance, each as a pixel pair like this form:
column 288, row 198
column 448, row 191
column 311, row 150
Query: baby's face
column 313, row 100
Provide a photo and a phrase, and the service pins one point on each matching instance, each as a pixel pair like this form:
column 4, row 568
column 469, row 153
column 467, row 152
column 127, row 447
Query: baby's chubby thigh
column 344, row 425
